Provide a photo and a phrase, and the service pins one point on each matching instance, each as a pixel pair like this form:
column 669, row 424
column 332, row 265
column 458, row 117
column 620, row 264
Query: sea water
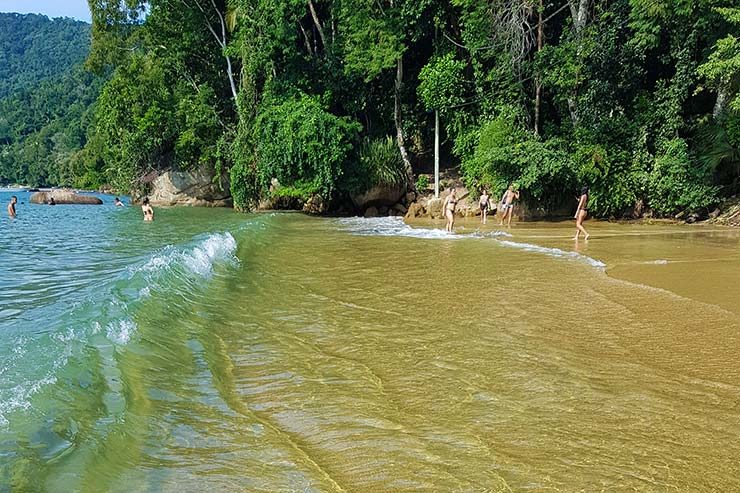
column 278, row 352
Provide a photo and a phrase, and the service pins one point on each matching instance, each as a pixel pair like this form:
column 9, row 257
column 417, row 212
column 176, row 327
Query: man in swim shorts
column 507, row 205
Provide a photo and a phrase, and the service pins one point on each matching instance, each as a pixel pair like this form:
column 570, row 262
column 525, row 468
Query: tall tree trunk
column 397, row 117
column 579, row 13
column 436, row 154
column 317, row 23
column 221, row 40
column 720, row 104
column 538, row 79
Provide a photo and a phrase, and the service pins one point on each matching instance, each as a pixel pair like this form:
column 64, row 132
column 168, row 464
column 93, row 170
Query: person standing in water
column 484, row 202
column 11, row 206
column 147, row 210
column 581, row 213
column 507, row 205
column 448, row 209
column 118, row 202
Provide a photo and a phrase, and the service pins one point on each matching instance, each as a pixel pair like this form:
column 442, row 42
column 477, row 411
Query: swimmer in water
column 52, row 201
column 118, row 202
column 448, row 209
column 581, row 213
column 11, row 206
column 147, row 210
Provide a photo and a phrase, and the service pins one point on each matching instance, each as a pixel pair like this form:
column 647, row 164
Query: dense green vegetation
column 45, row 100
column 636, row 98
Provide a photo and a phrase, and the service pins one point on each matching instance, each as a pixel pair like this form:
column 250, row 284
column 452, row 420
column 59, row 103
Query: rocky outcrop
column 379, row 196
column 64, row 197
column 197, row 188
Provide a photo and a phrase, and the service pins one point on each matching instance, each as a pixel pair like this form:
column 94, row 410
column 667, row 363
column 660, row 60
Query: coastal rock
column 400, row 208
column 198, row 188
column 371, row 212
column 315, row 205
column 64, row 197
column 415, row 210
column 380, row 195
column 714, row 214
column 434, row 208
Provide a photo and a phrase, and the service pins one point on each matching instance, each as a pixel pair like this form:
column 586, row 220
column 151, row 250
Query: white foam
column 120, row 332
column 657, row 262
column 554, row 252
column 198, row 260
column 393, row 226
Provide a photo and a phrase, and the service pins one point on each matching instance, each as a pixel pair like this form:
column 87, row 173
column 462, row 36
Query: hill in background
column 34, row 48
column 46, row 98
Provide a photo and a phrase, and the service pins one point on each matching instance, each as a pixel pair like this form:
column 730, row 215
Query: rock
column 434, row 208
column 315, row 205
column 274, row 185
column 692, row 218
column 415, row 210
column 380, row 195
column 383, row 210
column 63, row 197
column 714, row 214
column 681, row 215
column 192, row 188
column 400, row 208
column 371, row 212
column 410, row 197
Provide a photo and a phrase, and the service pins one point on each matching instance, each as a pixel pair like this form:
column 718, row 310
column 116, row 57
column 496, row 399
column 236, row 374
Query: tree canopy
column 636, row 98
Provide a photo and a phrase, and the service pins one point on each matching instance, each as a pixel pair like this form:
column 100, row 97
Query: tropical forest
column 637, row 99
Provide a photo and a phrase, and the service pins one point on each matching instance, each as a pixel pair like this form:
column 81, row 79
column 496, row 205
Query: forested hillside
column 636, row 98
column 34, row 48
column 45, row 100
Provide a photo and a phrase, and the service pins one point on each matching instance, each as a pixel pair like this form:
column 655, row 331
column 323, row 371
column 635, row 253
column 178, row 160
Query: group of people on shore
column 505, row 208
column 146, row 207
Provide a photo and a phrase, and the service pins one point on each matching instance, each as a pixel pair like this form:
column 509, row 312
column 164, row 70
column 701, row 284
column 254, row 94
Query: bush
column 379, row 163
column 675, row 185
column 507, row 153
column 298, row 141
column 422, row 183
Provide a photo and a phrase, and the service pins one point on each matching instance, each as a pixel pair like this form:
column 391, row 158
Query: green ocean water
column 212, row 351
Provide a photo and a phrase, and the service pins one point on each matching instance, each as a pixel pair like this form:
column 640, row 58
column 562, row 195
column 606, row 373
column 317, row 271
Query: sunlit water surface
column 216, row 351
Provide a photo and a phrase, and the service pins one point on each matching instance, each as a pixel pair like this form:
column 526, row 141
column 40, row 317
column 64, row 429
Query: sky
column 53, row 8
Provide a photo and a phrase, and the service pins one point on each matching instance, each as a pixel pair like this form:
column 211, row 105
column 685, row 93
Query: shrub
column 675, row 184
column 422, row 183
column 298, row 141
column 379, row 163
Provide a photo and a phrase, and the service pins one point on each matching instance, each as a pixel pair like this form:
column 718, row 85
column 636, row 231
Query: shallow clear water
column 212, row 350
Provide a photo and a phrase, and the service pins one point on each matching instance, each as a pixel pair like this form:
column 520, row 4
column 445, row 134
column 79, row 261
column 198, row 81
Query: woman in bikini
column 147, row 210
column 581, row 214
column 448, row 208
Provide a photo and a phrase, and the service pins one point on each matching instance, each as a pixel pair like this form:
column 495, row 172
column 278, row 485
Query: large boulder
column 434, row 207
column 379, row 196
column 192, row 188
column 64, row 197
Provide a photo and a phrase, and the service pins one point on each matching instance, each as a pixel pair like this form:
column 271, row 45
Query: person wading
column 147, row 210
column 581, row 213
column 484, row 203
column 448, row 209
column 11, row 206
column 507, row 205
